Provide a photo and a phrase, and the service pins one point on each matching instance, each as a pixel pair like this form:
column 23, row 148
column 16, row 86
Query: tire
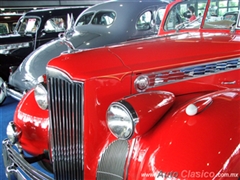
column 2, row 91
column 4, row 75
column 46, row 165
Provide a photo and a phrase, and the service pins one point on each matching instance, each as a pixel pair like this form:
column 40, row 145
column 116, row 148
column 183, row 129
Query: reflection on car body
column 103, row 24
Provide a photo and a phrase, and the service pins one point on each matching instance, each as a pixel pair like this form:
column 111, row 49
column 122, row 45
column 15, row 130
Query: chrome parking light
column 13, row 133
column 142, row 83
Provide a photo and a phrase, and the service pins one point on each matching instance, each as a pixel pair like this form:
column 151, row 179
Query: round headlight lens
column 120, row 121
column 40, row 93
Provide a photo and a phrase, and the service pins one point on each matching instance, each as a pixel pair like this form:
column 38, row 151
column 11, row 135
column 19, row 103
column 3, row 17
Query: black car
column 33, row 29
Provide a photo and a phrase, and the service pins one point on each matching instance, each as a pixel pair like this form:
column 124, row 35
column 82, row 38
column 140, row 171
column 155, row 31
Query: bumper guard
column 14, row 162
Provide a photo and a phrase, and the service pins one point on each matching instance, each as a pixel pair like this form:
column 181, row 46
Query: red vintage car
column 165, row 107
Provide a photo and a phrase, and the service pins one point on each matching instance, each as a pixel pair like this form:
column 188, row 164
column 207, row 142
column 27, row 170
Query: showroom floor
column 6, row 115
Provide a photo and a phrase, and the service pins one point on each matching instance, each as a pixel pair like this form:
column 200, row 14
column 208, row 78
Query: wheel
column 2, row 91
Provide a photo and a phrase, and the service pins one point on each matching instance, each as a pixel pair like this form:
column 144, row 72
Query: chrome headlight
column 121, row 119
column 40, row 93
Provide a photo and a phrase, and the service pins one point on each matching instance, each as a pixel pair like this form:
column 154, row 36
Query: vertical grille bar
column 66, row 126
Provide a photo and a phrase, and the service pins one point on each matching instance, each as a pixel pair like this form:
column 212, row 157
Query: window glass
column 4, row 28
column 176, row 16
column 187, row 14
column 222, row 3
column 144, row 21
column 56, row 24
column 104, row 18
column 238, row 25
column 85, row 19
column 159, row 16
column 13, row 26
column 234, row 2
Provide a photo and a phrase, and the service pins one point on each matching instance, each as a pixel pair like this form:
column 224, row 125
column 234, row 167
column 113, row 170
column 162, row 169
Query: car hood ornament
column 67, row 35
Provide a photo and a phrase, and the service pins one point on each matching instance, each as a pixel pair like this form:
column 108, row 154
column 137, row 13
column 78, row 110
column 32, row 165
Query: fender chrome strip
column 188, row 72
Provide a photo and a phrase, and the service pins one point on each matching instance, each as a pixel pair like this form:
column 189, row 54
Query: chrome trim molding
column 58, row 74
column 129, row 157
column 188, row 72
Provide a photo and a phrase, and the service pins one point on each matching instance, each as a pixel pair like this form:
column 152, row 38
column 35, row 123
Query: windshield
column 188, row 15
column 28, row 25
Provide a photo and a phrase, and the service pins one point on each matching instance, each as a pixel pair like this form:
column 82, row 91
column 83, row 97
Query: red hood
column 158, row 52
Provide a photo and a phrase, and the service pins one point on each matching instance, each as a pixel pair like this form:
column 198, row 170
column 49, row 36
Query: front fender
column 6, row 61
column 205, row 145
column 33, row 123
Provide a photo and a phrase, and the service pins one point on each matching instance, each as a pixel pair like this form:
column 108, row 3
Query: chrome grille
column 66, row 125
column 112, row 162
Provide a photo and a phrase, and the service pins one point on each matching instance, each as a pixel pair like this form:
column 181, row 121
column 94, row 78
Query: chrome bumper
column 14, row 94
column 11, row 92
column 17, row 166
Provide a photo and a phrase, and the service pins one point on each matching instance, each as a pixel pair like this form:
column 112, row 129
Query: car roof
column 53, row 10
column 124, row 6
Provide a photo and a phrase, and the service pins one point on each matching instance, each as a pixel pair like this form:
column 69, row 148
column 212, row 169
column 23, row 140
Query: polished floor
column 7, row 110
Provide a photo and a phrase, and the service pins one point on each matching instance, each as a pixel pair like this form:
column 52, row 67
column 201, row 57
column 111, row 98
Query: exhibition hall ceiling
column 39, row 3
column 21, row 6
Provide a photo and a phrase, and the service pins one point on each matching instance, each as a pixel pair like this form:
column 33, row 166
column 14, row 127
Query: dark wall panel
column 44, row 3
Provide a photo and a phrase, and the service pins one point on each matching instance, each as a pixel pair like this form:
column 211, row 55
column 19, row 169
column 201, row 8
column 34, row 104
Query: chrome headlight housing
column 40, row 93
column 121, row 119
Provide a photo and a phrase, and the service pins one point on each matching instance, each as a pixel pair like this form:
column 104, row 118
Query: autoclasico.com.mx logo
column 188, row 174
